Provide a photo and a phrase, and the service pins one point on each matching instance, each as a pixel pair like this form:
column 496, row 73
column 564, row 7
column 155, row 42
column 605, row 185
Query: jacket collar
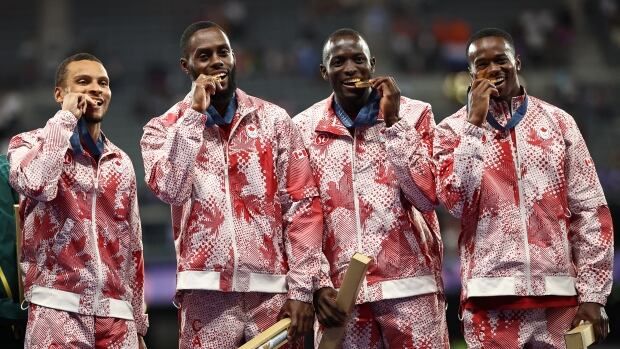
column 244, row 106
column 81, row 137
column 502, row 110
column 331, row 123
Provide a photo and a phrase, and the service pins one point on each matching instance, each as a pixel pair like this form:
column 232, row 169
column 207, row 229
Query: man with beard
column 370, row 152
column 245, row 211
column 82, row 243
column 536, row 241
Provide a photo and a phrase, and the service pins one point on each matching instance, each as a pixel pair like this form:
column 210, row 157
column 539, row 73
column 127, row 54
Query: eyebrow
column 86, row 76
column 219, row 47
column 499, row 55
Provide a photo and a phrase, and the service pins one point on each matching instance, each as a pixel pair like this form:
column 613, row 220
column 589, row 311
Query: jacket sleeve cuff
column 593, row 298
column 59, row 129
column 299, row 295
column 472, row 130
column 142, row 324
column 193, row 118
column 401, row 126
column 324, row 281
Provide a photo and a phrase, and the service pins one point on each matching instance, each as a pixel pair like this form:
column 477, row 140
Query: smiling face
column 347, row 60
column 208, row 52
column 493, row 58
column 91, row 78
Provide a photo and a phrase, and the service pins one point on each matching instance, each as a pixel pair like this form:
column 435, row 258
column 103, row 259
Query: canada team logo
column 251, row 130
column 544, row 133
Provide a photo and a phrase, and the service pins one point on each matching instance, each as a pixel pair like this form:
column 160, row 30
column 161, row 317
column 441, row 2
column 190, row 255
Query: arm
column 303, row 225
column 590, row 232
column 170, row 145
column 302, row 213
column 137, row 277
column 324, row 298
column 171, row 142
column 37, row 158
column 459, row 155
column 409, row 144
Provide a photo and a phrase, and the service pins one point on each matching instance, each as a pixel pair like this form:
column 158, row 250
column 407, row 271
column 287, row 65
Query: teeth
column 219, row 77
column 362, row 84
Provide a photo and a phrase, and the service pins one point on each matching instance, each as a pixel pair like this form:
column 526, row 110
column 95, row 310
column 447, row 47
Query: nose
column 216, row 61
column 494, row 66
column 349, row 68
column 95, row 88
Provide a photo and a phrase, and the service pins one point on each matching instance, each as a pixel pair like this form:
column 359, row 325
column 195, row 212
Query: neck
column 518, row 92
column 221, row 105
column 353, row 106
column 94, row 129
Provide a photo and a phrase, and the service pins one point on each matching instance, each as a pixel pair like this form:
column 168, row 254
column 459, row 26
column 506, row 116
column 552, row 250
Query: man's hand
column 389, row 104
column 76, row 103
column 595, row 314
column 204, row 87
column 327, row 312
column 479, row 99
column 301, row 315
column 141, row 344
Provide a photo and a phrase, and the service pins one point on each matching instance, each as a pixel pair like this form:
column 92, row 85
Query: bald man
column 370, row 152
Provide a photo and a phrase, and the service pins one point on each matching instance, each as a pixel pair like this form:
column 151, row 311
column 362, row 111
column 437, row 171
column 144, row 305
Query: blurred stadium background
column 570, row 50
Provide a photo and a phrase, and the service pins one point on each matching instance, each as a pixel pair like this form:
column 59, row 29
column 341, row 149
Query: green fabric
column 9, row 308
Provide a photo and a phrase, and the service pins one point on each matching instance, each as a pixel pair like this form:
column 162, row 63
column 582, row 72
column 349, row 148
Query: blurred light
column 455, row 86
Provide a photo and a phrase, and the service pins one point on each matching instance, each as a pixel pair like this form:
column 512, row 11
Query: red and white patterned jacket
column 367, row 184
column 534, row 219
column 245, row 211
column 82, row 240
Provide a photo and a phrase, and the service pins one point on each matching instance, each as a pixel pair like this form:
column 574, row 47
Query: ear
column 372, row 64
column 59, row 94
column 472, row 75
column 518, row 62
column 184, row 65
column 323, row 72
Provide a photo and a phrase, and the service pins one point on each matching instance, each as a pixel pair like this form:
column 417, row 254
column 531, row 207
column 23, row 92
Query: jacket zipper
column 358, row 222
column 528, row 267
column 231, row 226
column 99, row 288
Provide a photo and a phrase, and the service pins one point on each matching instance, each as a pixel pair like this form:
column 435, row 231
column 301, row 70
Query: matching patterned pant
column 413, row 322
column 55, row 329
column 211, row 319
column 526, row 328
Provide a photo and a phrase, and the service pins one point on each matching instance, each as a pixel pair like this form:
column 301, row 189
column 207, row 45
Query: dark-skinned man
column 81, row 240
column 370, row 152
column 246, row 214
column 536, row 240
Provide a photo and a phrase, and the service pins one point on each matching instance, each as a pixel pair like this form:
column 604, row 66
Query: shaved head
column 333, row 38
